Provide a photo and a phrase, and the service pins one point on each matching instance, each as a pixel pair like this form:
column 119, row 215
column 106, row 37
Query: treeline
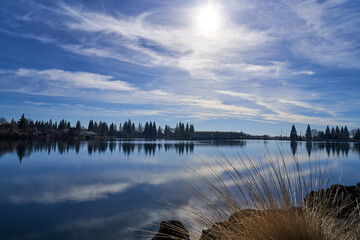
column 127, row 129
column 333, row 134
column 149, row 130
column 26, row 148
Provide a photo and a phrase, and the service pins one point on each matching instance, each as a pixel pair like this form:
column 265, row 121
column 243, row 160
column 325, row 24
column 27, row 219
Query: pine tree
column 308, row 133
column 104, row 129
column 187, row 130
column 133, row 129
column 321, row 135
column 96, row 127
column 182, row 129
column 332, row 134
column 192, row 129
column 159, row 132
column 91, row 125
column 22, row 123
column 167, row 131
column 2, row 121
column 140, row 128
column 342, row 137
column 78, row 125
column 357, row 134
column 153, row 131
column 337, row 133
column 293, row 133
column 346, row 133
column 112, row 129
column 150, row 130
column 327, row 133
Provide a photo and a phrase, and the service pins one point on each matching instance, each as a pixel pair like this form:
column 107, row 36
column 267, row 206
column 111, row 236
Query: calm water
column 105, row 190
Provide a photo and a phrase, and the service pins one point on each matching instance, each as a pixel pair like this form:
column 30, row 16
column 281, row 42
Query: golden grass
column 264, row 200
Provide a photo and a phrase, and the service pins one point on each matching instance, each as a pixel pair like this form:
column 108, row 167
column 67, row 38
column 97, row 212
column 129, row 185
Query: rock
column 170, row 230
column 342, row 200
column 339, row 200
column 234, row 221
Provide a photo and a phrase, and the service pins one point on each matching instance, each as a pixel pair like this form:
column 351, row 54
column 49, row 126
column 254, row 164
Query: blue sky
column 257, row 66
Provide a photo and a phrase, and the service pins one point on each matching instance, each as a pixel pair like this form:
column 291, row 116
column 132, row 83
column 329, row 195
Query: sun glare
column 208, row 20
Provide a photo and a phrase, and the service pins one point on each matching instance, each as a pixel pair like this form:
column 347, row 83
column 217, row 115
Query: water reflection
column 293, row 146
column 101, row 189
column 331, row 148
column 26, row 148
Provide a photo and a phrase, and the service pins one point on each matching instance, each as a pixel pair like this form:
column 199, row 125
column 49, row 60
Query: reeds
column 245, row 199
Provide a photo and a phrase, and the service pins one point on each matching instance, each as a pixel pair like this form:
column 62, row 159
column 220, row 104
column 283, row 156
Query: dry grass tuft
column 253, row 200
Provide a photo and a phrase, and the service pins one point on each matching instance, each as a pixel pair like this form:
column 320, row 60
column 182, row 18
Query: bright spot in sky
column 208, row 20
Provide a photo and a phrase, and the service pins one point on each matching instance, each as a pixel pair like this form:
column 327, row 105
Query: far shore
column 73, row 134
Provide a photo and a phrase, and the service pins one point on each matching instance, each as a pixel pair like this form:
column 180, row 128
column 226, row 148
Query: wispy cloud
column 75, row 79
column 266, row 61
column 283, row 110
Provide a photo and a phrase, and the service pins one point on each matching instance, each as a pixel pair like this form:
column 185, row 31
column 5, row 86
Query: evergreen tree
column 22, row 123
column 159, row 132
column 96, row 127
column 2, row 121
column 176, row 131
column 153, row 132
column 337, row 133
column 68, row 125
column 182, row 129
column 357, row 134
column 146, row 130
column 140, row 128
column 112, row 129
column 78, row 125
column 167, row 131
column 327, row 133
column 192, row 129
column 308, row 133
column 128, row 127
column 61, row 124
column 104, row 129
column 346, row 133
column 133, row 129
column 91, row 125
column 31, row 124
column 187, row 130
column 150, row 130
column 125, row 127
column 332, row 134
column 293, row 133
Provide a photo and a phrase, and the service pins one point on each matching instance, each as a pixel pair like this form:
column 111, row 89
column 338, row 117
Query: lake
column 113, row 189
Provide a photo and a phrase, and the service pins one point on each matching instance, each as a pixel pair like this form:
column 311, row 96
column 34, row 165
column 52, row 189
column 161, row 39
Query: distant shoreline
column 210, row 135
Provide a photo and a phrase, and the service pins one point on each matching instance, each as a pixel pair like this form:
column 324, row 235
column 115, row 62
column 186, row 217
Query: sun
column 208, row 20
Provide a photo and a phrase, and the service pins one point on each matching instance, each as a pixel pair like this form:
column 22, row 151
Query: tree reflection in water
column 26, row 148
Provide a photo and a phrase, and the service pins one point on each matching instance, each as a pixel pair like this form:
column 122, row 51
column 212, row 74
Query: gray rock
column 343, row 200
column 170, row 230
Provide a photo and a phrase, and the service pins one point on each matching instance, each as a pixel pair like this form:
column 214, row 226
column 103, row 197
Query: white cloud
column 256, row 56
column 329, row 38
column 283, row 109
column 74, row 193
column 76, row 79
